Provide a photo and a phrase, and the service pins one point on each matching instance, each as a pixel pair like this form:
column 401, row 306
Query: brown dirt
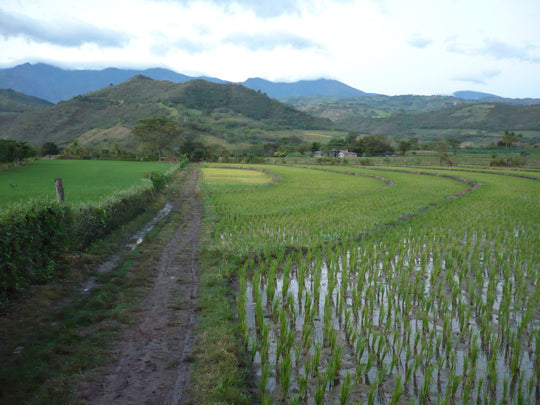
column 151, row 361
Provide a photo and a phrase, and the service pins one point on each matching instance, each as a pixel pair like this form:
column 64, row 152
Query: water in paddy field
column 407, row 320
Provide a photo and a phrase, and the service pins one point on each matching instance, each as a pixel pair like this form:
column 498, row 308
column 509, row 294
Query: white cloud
column 269, row 41
column 497, row 49
column 70, row 33
column 417, row 41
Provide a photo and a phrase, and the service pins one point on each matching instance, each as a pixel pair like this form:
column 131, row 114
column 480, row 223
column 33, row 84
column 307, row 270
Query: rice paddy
column 387, row 286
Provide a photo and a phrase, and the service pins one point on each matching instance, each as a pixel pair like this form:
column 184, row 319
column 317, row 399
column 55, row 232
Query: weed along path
column 150, row 362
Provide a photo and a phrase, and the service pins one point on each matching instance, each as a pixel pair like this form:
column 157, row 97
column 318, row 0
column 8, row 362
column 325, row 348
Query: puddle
column 134, row 241
column 138, row 237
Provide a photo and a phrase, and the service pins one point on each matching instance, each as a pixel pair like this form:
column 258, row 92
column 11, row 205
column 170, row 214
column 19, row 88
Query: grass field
column 408, row 287
column 84, row 180
column 229, row 179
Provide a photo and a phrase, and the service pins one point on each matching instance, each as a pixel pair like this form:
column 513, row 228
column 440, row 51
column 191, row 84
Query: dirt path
column 151, row 358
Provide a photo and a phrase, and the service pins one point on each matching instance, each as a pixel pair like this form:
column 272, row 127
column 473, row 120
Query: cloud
column 162, row 45
column 417, row 41
column 501, row 50
column 262, row 8
column 63, row 33
column 478, row 78
column 496, row 49
column 267, row 8
column 269, row 41
column 474, row 79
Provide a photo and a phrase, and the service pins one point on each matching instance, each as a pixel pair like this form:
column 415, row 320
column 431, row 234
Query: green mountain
column 427, row 117
column 483, row 116
column 226, row 111
column 13, row 102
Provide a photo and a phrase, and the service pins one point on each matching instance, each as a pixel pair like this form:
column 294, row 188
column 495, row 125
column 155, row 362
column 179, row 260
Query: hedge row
column 35, row 237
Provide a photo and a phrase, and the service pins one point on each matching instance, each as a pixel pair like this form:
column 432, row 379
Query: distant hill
column 476, row 96
column 427, row 117
column 13, row 102
column 321, row 87
column 54, row 84
column 473, row 95
column 205, row 108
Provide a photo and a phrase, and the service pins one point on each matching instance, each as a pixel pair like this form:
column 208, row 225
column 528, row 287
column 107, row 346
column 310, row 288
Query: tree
column 12, row 151
column 373, row 145
column 74, row 150
column 414, row 143
column 441, row 148
column 509, row 138
column 452, row 142
column 404, row 146
column 49, row 148
column 158, row 134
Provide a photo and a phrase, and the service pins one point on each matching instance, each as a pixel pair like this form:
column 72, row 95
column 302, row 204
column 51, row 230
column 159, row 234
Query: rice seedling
column 445, row 310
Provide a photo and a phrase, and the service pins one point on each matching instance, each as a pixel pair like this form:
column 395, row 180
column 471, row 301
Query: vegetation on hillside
column 13, row 102
column 428, row 117
column 228, row 121
column 193, row 104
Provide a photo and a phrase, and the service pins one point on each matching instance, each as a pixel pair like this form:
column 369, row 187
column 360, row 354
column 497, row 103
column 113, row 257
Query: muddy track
column 151, row 359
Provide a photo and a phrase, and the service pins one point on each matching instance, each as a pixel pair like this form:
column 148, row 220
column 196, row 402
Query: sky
column 388, row 47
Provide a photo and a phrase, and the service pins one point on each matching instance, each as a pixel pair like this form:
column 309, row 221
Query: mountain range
column 234, row 116
column 54, row 84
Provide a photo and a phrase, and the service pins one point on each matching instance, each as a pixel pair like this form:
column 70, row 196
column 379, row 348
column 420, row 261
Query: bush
column 36, row 236
column 497, row 161
column 159, row 180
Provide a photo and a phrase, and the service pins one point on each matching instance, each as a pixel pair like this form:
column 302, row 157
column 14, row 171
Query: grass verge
column 221, row 372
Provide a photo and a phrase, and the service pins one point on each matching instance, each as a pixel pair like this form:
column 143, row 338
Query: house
column 338, row 153
column 344, row 153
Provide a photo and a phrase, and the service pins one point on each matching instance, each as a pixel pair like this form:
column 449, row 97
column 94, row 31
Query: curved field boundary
column 468, row 170
column 331, row 226
column 473, row 186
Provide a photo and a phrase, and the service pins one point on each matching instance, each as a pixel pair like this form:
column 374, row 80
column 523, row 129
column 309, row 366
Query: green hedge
column 35, row 237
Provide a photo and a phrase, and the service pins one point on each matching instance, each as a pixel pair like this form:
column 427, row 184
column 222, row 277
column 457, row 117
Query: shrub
column 35, row 237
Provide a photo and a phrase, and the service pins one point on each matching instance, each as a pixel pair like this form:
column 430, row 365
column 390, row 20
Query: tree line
column 162, row 137
column 14, row 151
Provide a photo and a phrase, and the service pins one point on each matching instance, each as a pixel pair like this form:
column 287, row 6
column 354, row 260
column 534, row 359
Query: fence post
column 59, row 190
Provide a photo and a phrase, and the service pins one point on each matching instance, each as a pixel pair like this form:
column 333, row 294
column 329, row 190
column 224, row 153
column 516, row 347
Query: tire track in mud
column 151, row 359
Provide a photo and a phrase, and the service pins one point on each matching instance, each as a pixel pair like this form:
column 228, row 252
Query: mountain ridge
column 55, row 84
column 202, row 104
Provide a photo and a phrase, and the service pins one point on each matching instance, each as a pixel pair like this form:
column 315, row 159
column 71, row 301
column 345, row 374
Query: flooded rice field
column 385, row 324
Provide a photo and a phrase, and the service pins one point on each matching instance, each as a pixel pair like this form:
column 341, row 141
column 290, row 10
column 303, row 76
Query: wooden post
column 59, row 190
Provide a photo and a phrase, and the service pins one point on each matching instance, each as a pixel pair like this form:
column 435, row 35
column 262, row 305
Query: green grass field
column 84, row 180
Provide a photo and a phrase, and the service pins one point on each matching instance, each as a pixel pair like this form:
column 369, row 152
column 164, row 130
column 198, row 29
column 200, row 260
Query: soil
column 151, row 361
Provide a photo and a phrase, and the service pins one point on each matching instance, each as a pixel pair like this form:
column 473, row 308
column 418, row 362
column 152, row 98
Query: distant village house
column 338, row 153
